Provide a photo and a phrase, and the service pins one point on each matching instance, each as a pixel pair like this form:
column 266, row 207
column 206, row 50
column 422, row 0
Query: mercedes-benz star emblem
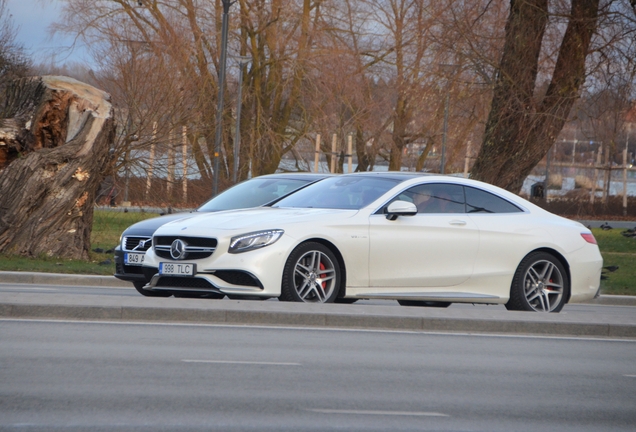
column 177, row 249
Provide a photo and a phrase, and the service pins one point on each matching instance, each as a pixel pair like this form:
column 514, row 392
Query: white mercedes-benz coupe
column 423, row 240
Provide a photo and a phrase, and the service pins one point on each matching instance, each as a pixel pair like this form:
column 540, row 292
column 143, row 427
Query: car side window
column 479, row 201
column 436, row 198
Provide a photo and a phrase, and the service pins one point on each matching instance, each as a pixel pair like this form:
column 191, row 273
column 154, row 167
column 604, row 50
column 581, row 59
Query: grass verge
column 619, row 251
column 107, row 227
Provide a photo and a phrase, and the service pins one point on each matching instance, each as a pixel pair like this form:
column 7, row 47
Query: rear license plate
column 134, row 259
column 181, row 269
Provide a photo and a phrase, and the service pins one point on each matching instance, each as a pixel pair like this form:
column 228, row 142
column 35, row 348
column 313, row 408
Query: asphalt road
column 97, row 376
column 93, row 298
column 45, row 291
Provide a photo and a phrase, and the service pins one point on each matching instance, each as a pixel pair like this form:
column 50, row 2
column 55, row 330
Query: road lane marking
column 241, row 362
column 630, row 376
column 385, row 413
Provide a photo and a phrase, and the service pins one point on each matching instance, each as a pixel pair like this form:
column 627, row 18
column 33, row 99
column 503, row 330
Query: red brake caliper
column 324, row 284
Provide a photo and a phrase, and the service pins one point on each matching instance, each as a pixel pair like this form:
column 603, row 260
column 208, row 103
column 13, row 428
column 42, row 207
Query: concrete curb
column 320, row 320
column 62, row 279
column 613, row 300
column 372, row 317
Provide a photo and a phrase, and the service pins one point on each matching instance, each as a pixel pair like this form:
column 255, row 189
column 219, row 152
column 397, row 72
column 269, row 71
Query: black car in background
column 256, row 192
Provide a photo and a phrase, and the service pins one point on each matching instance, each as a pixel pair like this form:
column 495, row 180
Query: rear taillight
column 589, row 237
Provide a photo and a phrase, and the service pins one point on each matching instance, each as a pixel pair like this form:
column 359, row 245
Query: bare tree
column 371, row 68
column 278, row 36
column 14, row 62
column 396, row 98
column 610, row 90
column 521, row 127
column 158, row 60
column 185, row 36
column 340, row 94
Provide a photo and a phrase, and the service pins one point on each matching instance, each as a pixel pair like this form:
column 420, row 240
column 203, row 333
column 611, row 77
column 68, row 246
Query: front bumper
column 208, row 283
column 126, row 272
column 586, row 266
column 254, row 273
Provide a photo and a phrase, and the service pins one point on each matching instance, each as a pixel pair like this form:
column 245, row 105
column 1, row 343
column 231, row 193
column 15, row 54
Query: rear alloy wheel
column 311, row 275
column 139, row 286
column 540, row 284
column 420, row 303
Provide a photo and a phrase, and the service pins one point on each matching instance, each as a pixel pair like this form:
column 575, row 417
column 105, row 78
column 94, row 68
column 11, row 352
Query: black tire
column 343, row 300
column 540, row 284
column 139, row 286
column 311, row 275
column 421, row 303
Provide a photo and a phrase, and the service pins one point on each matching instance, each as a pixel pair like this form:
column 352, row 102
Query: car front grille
column 120, row 268
column 149, row 272
column 137, row 243
column 237, row 277
column 131, row 269
column 196, row 247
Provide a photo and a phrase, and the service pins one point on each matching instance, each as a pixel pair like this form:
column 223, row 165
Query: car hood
column 147, row 227
column 253, row 219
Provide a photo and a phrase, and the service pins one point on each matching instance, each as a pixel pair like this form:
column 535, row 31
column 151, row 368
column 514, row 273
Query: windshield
column 253, row 193
column 343, row 192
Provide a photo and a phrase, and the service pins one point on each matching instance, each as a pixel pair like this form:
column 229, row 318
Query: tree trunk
column 361, row 150
column 520, row 130
column 398, row 141
column 55, row 133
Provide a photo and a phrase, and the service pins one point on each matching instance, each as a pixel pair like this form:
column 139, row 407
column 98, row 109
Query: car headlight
column 254, row 240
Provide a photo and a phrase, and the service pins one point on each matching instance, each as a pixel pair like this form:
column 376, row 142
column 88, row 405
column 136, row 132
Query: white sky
column 33, row 18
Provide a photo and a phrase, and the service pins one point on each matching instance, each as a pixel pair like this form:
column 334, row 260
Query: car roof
column 394, row 175
column 403, row 176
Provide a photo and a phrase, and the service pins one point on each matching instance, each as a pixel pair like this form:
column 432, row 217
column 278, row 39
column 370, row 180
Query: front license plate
column 134, row 259
column 181, row 269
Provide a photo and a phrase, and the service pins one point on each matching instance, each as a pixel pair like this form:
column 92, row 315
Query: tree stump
column 55, row 136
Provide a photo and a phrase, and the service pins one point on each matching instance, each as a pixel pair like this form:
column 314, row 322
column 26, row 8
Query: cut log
column 55, row 136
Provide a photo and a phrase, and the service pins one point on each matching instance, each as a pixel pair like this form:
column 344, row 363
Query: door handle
column 457, row 222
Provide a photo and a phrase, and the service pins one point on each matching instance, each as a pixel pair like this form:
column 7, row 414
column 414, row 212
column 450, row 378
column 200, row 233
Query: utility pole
column 243, row 61
column 219, row 109
column 447, row 70
column 443, row 161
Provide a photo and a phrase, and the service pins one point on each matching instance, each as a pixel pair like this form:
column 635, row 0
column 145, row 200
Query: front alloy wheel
column 540, row 284
column 311, row 275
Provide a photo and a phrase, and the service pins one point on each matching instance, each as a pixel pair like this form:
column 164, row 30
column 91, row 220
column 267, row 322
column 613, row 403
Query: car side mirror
column 400, row 208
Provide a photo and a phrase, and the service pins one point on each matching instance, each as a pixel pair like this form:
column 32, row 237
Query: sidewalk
column 618, row 323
